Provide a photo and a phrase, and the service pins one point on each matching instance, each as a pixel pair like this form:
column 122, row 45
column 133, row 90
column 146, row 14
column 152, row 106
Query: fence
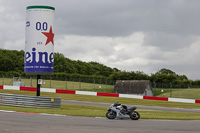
column 29, row 101
column 100, row 85
column 176, row 90
column 83, row 84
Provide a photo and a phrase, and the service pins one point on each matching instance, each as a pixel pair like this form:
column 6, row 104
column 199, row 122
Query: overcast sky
column 131, row 35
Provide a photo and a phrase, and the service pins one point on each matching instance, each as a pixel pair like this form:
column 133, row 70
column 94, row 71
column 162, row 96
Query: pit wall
column 5, row 87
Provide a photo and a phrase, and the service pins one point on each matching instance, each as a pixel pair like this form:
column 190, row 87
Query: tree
column 7, row 64
column 168, row 76
column 12, row 63
column 165, row 71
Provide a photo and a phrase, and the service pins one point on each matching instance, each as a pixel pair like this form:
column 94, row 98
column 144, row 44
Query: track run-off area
column 16, row 122
column 20, row 122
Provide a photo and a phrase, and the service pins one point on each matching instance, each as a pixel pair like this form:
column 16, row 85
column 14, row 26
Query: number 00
column 42, row 26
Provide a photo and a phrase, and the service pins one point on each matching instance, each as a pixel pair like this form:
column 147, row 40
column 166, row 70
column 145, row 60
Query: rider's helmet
column 117, row 104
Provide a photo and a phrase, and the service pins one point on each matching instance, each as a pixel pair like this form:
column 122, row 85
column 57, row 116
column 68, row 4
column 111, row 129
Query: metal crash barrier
column 29, row 101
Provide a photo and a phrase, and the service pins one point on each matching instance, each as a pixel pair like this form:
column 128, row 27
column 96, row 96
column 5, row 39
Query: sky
column 131, row 35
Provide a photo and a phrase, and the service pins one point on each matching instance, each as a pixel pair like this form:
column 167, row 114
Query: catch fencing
column 82, row 84
column 104, row 85
column 176, row 90
column 29, row 101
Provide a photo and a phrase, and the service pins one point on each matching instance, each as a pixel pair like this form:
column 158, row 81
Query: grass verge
column 91, row 111
column 102, row 99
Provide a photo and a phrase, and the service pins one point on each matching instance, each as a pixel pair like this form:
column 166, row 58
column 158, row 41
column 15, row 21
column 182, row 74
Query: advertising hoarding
column 39, row 40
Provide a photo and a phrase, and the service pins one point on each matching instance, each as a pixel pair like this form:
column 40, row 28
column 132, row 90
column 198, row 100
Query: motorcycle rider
column 120, row 111
column 123, row 108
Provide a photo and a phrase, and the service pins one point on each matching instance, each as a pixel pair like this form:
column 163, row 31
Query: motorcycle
column 120, row 111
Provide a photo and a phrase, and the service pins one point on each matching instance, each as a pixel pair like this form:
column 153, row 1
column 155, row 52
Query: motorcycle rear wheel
column 135, row 115
column 111, row 115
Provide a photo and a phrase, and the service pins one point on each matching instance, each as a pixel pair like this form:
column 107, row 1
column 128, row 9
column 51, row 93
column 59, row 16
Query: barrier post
column 38, row 85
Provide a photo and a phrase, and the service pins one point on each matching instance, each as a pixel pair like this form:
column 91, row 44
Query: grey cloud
column 168, row 41
column 121, row 18
column 102, row 29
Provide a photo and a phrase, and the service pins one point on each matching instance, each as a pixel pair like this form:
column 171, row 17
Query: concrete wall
column 138, row 87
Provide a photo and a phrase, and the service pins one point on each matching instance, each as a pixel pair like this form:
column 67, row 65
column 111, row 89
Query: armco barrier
column 29, row 101
column 155, row 98
column 100, row 94
column 28, row 89
column 1, row 86
column 107, row 94
column 66, row 91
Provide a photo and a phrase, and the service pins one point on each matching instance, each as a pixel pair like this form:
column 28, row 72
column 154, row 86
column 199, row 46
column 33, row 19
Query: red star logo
column 49, row 35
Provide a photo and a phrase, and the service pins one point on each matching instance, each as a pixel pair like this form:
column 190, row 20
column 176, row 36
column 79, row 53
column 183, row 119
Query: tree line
column 12, row 64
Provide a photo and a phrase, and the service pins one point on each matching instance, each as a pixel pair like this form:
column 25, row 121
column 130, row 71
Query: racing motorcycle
column 120, row 111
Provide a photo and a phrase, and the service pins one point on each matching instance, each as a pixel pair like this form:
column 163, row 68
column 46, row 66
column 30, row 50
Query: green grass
column 63, row 85
column 102, row 99
column 66, row 109
column 91, row 111
column 169, row 115
column 157, row 91
column 192, row 93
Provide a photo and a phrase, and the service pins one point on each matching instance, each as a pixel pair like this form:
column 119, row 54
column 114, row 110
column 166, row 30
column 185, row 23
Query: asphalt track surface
column 12, row 122
column 138, row 106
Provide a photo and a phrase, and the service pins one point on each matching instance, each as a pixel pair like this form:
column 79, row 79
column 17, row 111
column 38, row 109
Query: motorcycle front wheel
column 111, row 114
column 135, row 115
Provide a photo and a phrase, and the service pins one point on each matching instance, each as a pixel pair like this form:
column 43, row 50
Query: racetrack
column 12, row 122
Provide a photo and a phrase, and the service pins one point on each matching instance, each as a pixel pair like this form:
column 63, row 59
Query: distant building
column 137, row 87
